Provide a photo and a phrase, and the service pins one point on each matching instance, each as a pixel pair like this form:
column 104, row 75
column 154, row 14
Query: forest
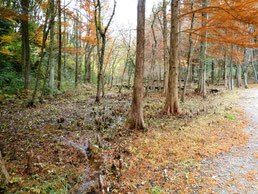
column 94, row 100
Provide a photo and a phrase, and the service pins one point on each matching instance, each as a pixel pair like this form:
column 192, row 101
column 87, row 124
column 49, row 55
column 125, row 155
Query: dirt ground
column 75, row 142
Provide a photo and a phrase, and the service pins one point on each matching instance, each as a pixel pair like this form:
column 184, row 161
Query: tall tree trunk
column 179, row 74
column 204, row 51
column 193, row 72
column 136, row 115
column 67, row 36
column 101, row 31
column 231, row 78
column 239, row 79
column 42, row 53
column 51, row 47
column 103, row 85
column 77, row 45
column 253, row 65
column 89, row 71
column 87, row 62
column 76, row 68
column 100, row 72
column 245, row 68
column 219, row 73
column 59, row 77
column 172, row 102
column 212, row 71
column 154, row 47
column 189, row 56
column 25, row 44
column 165, row 46
column 225, row 69
column 180, row 69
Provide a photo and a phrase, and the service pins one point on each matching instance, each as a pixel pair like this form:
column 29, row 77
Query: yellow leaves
column 5, row 40
column 8, row 38
column 5, row 51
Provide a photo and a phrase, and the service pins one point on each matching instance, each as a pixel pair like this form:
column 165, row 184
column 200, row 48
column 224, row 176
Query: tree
column 189, row 56
column 154, row 46
column 101, row 32
column 245, row 67
column 165, row 46
column 172, row 102
column 136, row 119
column 202, row 73
column 48, row 23
column 76, row 31
column 128, row 42
column 25, row 43
column 51, row 48
column 59, row 77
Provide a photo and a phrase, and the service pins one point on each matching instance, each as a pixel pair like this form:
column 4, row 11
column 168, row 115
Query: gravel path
column 236, row 171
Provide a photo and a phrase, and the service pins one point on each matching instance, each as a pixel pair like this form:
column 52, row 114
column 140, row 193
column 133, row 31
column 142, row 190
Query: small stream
column 94, row 164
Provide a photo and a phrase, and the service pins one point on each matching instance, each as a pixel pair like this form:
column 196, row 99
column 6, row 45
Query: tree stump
column 29, row 169
column 4, row 176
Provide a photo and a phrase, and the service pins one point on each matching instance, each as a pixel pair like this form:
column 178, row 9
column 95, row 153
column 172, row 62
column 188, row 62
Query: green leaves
column 231, row 117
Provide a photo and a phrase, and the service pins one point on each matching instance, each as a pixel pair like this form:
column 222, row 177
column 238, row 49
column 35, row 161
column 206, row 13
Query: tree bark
column 4, row 176
column 25, row 44
column 231, row 78
column 136, row 119
column 172, row 102
column 165, row 46
column 59, row 77
column 225, row 69
column 101, row 31
column 76, row 68
column 253, row 65
column 239, row 79
column 193, row 73
column 245, row 68
column 67, row 37
column 219, row 73
column 51, row 48
column 42, row 53
column 212, row 71
column 89, row 71
column 204, row 51
column 87, row 62
column 154, row 47
column 189, row 57
column 100, row 72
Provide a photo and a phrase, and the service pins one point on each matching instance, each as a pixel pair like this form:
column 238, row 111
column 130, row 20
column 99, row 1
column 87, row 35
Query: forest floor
column 74, row 143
